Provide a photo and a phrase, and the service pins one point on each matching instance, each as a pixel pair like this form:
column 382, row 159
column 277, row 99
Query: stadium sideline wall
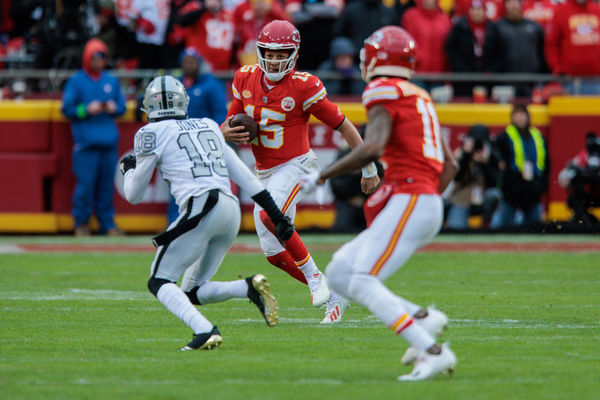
column 37, row 182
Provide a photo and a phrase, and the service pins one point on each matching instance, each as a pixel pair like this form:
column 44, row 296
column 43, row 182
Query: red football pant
column 295, row 253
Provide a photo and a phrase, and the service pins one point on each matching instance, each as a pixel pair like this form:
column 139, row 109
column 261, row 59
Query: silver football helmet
column 165, row 97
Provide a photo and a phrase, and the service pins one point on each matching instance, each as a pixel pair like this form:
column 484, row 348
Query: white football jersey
column 190, row 155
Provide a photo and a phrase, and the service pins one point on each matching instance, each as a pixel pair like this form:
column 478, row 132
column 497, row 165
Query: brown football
column 247, row 122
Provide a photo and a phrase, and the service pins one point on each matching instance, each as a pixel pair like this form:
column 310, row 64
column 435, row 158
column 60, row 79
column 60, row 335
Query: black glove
column 283, row 225
column 127, row 163
column 284, row 229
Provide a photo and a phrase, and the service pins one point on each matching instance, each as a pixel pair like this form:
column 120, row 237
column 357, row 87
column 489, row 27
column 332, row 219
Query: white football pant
column 358, row 268
column 282, row 182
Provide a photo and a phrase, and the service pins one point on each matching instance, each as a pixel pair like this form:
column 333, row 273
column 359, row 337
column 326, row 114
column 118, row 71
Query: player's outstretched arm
column 136, row 179
column 450, row 167
column 242, row 176
column 370, row 179
column 377, row 134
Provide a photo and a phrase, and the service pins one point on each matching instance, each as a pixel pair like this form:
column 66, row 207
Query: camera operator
column 581, row 179
column 474, row 188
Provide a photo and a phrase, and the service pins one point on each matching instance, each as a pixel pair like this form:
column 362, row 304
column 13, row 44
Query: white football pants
column 282, row 182
column 205, row 246
column 358, row 268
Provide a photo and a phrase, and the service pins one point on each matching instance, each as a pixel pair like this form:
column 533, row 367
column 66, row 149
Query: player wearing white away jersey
column 192, row 157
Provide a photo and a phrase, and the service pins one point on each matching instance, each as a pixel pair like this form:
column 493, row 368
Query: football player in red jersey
column 406, row 212
column 281, row 100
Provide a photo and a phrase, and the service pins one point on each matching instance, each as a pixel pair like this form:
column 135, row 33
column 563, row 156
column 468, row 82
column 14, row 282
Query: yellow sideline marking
column 46, row 110
column 449, row 114
column 139, row 223
column 458, row 114
column 574, row 105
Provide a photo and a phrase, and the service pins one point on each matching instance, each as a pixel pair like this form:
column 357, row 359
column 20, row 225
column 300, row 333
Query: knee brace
column 154, row 284
column 193, row 295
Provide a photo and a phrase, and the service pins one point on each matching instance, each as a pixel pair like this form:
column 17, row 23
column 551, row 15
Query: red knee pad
column 266, row 220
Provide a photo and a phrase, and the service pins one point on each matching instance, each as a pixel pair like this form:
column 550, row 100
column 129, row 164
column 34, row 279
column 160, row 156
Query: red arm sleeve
column 327, row 112
column 236, row 107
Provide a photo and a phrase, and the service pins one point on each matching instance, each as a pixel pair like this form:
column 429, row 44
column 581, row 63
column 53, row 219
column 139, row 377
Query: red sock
column 294, row 245
column 286, row 263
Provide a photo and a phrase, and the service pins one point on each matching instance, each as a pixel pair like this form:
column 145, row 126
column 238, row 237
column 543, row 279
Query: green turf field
column 83, row 326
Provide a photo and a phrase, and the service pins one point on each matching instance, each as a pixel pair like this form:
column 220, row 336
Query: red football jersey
column 282, row 112
column 413, row 156
column 212, row 35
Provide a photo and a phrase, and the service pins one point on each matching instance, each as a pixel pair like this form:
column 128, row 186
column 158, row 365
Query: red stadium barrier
column 37, row 181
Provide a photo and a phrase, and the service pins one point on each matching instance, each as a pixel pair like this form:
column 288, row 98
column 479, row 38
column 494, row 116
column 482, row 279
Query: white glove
column 321, row 194
column 308, row 182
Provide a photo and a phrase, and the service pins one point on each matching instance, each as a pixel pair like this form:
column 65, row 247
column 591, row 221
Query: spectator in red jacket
column 429, row 26
column 211, row 32
column 573, row 43
column 540, row 11
column 249, row 18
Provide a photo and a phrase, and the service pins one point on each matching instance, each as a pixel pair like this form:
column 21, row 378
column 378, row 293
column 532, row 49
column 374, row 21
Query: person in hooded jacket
column 207, row 93
column 342, row 61
column 92, row 99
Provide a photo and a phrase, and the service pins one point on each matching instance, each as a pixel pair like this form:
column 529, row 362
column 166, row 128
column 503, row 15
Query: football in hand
column 247, row 122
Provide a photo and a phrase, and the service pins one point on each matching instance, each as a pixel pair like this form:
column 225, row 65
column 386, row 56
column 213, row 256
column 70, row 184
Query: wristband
column 81, row 111
column 369, row 171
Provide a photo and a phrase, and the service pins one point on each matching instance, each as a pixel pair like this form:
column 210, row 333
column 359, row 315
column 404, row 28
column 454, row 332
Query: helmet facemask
column 285, row 66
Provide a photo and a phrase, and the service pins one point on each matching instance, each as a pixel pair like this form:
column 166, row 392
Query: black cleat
column 259, row 292
column 205, row 341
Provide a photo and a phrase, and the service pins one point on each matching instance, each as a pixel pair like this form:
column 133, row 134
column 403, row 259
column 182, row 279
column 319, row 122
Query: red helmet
column 278, row 35
column 389, row 51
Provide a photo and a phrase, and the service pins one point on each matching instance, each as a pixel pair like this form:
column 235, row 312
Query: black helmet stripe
column 163, row 91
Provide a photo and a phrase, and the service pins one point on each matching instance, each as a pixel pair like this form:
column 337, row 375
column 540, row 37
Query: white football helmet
column 165, row 97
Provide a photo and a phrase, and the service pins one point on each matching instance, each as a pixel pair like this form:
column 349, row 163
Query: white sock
column 389, row 308
column 309, row 269
column 173, row 298
column 213, row 292
column 414, row 334
column 408, row 306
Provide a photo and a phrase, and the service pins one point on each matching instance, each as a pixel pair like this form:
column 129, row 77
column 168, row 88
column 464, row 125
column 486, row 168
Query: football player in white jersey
column 193, row 158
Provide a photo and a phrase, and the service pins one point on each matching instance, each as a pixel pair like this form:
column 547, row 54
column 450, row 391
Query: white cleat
column 335, row 308
column 434, row 323
column 430, row 365
column 319, row 291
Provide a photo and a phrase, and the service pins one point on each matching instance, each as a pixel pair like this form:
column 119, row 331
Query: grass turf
column 83, row 326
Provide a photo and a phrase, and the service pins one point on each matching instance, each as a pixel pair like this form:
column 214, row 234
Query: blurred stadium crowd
column 541, row 37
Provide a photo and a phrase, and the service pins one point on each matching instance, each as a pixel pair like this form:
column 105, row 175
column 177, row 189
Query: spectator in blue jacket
column 207, row 93
column 207, row 98
column 92, row 99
